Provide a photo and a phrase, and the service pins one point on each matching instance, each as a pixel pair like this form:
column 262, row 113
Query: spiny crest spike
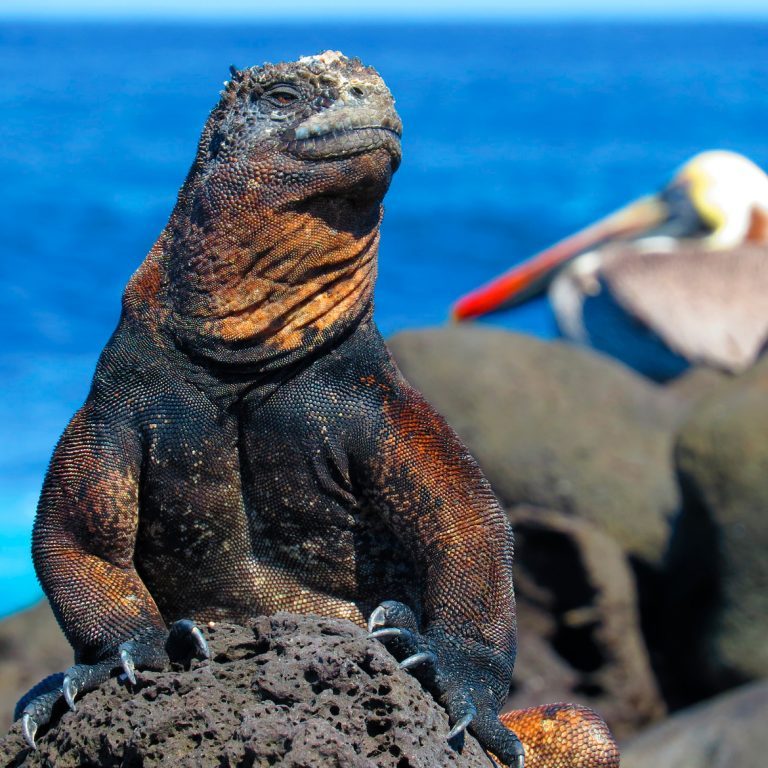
column 235, row 72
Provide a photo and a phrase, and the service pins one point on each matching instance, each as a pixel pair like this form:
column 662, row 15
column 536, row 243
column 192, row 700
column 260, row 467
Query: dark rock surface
column 727, row 732
column 31, row 647
column 579, row 629
column 556, row 426
column 718, row 562
column 299, row 692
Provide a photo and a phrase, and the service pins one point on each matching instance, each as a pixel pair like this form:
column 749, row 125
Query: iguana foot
column 469, row 678
column 150, row 650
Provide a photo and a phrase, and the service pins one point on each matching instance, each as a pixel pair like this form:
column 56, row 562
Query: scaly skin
column 249, row 446
column 563, row 736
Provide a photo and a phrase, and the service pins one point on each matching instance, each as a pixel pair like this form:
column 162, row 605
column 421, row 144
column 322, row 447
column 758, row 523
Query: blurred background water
column 515, row 134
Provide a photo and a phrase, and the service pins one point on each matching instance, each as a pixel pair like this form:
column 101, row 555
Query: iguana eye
column 281, row 95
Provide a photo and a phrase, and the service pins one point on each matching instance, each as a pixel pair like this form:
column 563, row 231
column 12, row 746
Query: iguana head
column 320, row 108
column 272, row 246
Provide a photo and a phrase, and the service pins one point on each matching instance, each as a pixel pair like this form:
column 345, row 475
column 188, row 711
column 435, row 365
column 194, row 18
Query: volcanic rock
column 579, row 629
column 286, row 690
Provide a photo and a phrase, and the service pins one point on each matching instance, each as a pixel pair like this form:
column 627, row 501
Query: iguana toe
column 35, row 707
column 186, row 642
column 462, row 724
column 392, row 613
column 395, row 624
column 501, row 741
column 82, row 678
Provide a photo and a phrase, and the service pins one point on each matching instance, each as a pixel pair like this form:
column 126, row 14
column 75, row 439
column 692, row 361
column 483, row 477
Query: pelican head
column 729, row 195
column 718, row 198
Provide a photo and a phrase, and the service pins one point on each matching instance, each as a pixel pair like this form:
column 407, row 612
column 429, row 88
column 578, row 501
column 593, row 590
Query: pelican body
column 674, row 279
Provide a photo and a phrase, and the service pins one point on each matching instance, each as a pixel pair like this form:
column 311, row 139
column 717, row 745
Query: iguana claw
column 377, row 619
column 387, row 632
column 201, row 644
column 416, row 659
column 70, row 691
column 461, row 725
column 29, row 729
column 128, row 666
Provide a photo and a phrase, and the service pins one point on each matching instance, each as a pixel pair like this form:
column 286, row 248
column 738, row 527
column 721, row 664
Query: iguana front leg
column 435, row 499
column 83, row 548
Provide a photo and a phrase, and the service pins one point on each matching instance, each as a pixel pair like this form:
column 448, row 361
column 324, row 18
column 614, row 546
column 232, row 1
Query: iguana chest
column 256, row 511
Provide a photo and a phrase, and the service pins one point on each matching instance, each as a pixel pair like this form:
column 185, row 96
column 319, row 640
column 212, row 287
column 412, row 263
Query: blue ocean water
column 515, row 135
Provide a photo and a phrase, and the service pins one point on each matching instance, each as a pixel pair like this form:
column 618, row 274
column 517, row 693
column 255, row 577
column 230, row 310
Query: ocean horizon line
column 224, row 19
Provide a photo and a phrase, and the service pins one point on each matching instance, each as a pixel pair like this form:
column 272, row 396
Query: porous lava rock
column 31, row 647
column 556, row 426
column 294, row 691
column 726, row 732
column 718, row 610
column 578, row 625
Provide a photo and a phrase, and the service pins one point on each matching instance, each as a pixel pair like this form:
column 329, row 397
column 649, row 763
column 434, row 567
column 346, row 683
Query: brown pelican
column 673, row 279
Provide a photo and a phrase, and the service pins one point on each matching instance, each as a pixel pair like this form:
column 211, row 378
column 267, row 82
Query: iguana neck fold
column 283, row 282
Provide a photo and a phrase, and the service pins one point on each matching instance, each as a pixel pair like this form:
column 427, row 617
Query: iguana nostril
column 357, row 92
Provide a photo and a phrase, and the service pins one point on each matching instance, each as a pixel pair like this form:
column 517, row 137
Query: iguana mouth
column 347, row 142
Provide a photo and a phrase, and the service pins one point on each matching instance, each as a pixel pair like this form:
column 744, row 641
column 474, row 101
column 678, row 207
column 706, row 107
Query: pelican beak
column 534, row 276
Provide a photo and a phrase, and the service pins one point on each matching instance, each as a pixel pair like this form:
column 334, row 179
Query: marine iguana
column 248, row 445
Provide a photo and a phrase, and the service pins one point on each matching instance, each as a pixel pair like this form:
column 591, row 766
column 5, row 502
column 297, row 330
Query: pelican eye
column 684, row 217
column 676, row 195
column 281, row 95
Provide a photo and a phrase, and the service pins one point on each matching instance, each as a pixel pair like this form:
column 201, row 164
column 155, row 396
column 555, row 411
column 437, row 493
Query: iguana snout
column 361, row 117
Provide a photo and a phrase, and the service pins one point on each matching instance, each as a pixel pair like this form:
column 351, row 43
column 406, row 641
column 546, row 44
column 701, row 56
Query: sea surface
column 515, row 135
